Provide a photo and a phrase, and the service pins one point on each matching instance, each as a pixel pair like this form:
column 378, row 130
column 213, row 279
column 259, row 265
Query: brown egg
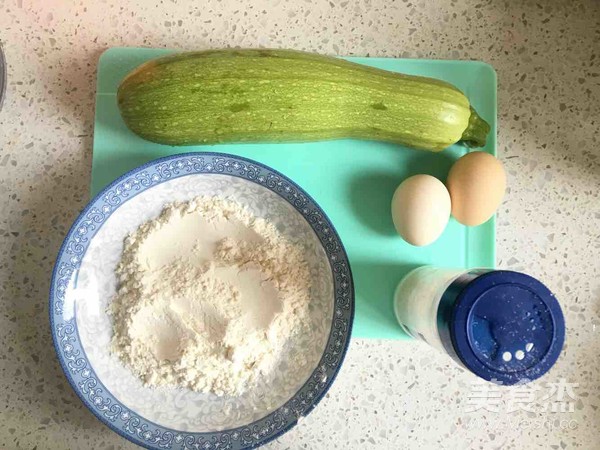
column 476, row 183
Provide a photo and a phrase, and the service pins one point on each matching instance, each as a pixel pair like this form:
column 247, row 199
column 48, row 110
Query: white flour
column 208, row 297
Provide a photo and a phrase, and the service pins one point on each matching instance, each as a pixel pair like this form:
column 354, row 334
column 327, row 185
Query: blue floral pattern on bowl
column 84, row 379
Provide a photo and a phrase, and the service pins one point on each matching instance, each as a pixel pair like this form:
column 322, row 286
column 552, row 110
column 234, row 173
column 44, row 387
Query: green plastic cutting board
column 352, row 180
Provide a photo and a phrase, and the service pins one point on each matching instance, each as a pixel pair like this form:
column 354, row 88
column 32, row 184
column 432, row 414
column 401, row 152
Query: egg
column 476, row 183
column 421, row 209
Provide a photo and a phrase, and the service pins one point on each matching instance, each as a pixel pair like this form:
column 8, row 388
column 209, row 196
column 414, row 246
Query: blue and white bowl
column 83, row 284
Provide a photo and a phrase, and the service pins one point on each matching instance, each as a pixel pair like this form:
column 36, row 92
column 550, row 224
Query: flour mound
column 208, row 297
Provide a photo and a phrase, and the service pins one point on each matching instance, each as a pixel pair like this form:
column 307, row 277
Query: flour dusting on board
column 208, row 297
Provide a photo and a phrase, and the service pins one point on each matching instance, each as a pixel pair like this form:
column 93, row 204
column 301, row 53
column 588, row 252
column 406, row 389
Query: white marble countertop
column 388, row 394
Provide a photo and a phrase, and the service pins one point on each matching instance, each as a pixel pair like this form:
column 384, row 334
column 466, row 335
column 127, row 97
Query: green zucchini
column 255, row 95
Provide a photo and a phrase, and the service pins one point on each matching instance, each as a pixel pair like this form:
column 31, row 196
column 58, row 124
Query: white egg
column 421, row 209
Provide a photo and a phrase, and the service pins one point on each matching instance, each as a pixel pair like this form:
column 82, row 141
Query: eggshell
column 421, row 209
column 476, row 183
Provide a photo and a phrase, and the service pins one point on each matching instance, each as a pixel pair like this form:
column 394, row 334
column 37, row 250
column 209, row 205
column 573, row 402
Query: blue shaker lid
column 506, row 327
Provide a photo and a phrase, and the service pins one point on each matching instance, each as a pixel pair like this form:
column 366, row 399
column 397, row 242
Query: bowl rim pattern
column 71, row 354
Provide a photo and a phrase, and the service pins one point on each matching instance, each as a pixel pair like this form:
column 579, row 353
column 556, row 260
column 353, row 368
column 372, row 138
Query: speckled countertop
column 388, row 394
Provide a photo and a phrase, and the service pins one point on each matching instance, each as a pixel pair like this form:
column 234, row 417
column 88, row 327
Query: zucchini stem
column 476, row 132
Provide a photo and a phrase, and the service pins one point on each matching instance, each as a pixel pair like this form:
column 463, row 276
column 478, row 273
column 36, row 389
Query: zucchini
column 256, row 95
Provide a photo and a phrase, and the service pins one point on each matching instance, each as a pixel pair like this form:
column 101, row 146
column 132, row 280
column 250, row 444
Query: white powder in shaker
column 208, row 297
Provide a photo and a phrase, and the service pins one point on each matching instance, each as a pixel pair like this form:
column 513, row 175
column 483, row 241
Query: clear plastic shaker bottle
column 503, row 326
